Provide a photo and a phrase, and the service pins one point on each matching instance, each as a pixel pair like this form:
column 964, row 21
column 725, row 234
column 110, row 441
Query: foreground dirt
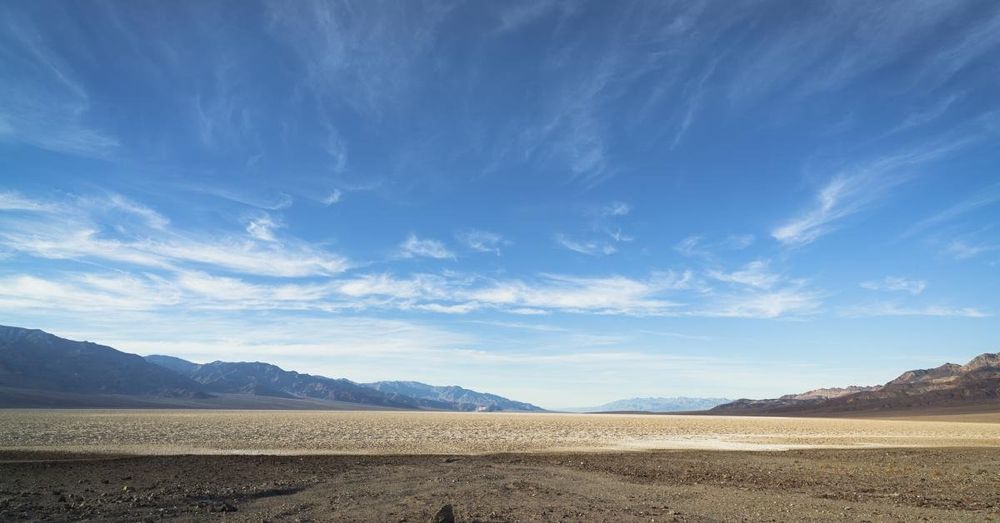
column 809, row 485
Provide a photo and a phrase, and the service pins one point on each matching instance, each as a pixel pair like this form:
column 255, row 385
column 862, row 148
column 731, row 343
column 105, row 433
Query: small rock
column 445, row 515
column 223, row 507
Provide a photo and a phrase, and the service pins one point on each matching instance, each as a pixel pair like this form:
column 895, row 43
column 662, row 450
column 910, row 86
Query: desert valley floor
column 404, row 466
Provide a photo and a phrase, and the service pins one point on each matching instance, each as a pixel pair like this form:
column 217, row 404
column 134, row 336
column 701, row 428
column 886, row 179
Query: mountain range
column 457, row 397
column 38, row 369
column 973, row 385
column 675, row 404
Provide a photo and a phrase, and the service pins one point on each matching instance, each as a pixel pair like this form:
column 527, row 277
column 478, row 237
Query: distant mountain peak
column 460, row 397
column 983, row 361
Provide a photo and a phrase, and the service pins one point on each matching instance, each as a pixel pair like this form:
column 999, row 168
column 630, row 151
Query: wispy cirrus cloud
column 195, row 290
column 78, row 229
column 859, row 188
column 515, row 15
column 897, row 284
column 982, row 199
column 790, row 301
column 588, row 247
column 362, row 55
column 415, row 247
column 616, row 208
column 608, row 295
column 45, row 104
column 334, row 197
column 263, row 227
column 831, row 47
column 896, row 309
column 964, row 249
column 698, row 246
column 754, row 274
column 482, row 241
column 605, row 231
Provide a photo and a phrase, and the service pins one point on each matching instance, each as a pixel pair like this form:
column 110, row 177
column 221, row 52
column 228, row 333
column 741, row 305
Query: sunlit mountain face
column 563, row 203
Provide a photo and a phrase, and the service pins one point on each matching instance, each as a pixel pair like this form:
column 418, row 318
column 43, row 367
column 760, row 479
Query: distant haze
column 679, row 404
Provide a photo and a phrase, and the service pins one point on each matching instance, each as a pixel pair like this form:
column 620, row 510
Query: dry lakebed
column 405, row 466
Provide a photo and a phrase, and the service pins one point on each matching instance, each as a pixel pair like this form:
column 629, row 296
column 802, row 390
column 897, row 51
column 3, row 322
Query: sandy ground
column 303, row 432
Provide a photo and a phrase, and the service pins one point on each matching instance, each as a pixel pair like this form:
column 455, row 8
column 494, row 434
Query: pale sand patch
column 347, row 432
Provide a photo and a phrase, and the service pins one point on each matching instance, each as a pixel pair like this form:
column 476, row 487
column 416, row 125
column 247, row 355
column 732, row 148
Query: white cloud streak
column 983, row 199
column 76, row 230
column 482, row 241
column 414, row 247
column 766, row 304
column 754, row 274
column 45, row 105
column 896, row 284
column 588, row 247
column 616, row 208
column 856, row 189
column 895, row 309
column 263, row 227
column 334, row 197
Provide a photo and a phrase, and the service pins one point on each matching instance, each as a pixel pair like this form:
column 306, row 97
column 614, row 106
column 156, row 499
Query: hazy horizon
column 562, row 203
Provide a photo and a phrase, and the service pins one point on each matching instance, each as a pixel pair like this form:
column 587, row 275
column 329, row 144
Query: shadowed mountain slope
column 38, row 369
column 950, row 385
column 36, row 360
column 264, row 379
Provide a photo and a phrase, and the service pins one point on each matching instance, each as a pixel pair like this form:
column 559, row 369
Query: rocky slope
column 791, row 401
column 950, row 385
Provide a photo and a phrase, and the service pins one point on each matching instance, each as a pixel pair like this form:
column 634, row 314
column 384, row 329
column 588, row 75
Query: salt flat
column 310, row 432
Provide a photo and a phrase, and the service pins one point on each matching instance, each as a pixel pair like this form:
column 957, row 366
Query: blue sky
column 562, row 202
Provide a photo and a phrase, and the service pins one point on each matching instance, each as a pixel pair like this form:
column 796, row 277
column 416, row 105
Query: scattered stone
column 223, row 507
column 445, row 515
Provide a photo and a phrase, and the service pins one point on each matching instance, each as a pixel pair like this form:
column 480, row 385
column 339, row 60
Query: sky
column 565, row 203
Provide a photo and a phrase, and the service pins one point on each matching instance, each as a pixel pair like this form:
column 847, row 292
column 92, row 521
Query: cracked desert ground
column 152, row 465
column 298, row 432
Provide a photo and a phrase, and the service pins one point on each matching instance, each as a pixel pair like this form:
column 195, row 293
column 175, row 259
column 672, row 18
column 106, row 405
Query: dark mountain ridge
column 34, row 359
column 265, row 379
column 950, row 385
column 38, row 369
